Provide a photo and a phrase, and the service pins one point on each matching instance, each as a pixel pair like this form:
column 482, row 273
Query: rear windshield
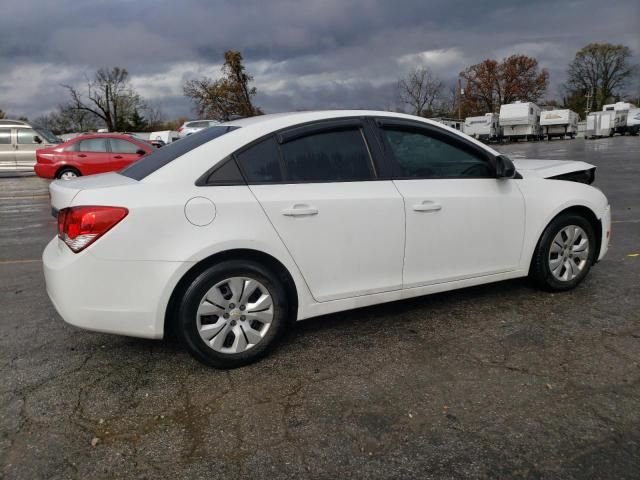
column 197, row 124
column 162, row 156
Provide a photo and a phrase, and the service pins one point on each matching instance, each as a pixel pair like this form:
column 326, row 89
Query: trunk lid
column 62, row 192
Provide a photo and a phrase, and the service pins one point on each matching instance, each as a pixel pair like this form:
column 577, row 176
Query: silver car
column 18, row 144
column 194, row 126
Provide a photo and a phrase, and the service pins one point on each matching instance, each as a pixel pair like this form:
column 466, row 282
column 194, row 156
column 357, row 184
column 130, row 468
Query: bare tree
column 109, row 97
column 228, row 96
column 420, row 90
column 602, row 70
column 1, row 114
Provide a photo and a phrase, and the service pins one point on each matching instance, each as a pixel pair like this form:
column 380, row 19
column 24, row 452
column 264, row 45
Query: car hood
column 549, row 168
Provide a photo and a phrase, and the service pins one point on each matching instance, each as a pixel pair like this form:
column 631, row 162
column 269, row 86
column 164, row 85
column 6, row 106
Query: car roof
column 8, row 123
column 123, row 136
column 197, row 161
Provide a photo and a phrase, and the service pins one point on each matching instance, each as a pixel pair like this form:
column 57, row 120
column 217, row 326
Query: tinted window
column 5, row 137
column 92, row 145
column 197, row 124
column 327, row 157
column 162, row 156
column 26, row 136
column 225, row 174
column 260, row 163
column 123, row 146
column 419, row 155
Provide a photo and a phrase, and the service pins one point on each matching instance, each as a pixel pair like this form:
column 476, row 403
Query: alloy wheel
column 569, row 253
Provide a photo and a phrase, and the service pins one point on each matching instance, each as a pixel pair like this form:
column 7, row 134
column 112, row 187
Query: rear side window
column 96, row 145
column 334, row 156
column 162, row 156
column 261, row 162
column 123, row 146
column 26, row 136
column 5, row 136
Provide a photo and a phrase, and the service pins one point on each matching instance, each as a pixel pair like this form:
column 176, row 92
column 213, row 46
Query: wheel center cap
column 235, row 314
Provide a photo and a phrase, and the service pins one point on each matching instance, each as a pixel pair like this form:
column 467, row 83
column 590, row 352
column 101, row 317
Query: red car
column 89, row 154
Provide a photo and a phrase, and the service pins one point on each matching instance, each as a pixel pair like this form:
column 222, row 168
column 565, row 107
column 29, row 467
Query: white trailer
column 449, row 122
column 618, row 106
column 485, row 127
column 605, row 123
column 520, row 120
column 559, row 123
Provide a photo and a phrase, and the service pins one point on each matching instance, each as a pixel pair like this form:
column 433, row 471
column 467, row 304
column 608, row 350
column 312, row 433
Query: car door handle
column 82, row 155
column 427, row 206
column 117, row 156
column 300, row 210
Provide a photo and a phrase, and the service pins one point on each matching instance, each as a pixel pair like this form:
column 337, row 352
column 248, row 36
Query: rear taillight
column 79, row 227
column 180, row 129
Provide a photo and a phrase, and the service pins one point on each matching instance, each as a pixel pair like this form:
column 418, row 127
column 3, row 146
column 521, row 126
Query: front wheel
column 232, row 314
column 564, row 254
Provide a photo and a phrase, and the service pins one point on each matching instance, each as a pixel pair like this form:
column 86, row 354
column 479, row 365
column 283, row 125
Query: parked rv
column 605, row 123
column 520, row 120
column 485, row 127
column 449, row 122
column 559, row 123
column 618, row 106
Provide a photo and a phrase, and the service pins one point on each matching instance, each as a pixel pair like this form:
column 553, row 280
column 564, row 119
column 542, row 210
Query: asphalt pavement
column 498, row 381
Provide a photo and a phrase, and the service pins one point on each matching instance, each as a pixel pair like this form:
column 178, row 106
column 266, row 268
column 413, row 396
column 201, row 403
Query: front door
column 343, row 228
column 461, row 221
column 123, row 153
column 27, row 142
column 7, row 150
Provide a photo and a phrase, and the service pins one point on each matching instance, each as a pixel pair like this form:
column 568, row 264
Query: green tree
column 601, row 70
column 226, row 97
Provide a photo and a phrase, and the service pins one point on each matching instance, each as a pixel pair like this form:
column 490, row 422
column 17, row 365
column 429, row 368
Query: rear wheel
column 67, row 174
column 232, row 314
column 564, row 254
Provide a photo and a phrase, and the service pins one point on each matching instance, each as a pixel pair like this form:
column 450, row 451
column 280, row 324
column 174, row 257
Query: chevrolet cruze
column 232, row 233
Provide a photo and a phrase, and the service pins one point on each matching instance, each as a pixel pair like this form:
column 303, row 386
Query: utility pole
column 460, row 93
column 589, row 97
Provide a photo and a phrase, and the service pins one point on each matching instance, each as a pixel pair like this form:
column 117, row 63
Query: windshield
column 48, row 135
column 162, row 156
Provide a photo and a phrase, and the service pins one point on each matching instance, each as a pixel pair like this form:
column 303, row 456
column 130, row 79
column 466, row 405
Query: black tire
column 64, row 170
column 540, row 271
column 186, row 321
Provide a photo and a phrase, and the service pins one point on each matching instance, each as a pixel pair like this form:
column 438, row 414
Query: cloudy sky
column 303, row 54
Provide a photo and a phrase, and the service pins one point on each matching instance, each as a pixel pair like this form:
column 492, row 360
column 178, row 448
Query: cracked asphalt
column 498, row 381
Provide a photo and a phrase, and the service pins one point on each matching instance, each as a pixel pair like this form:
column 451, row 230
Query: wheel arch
column 67, row 167
column 581, row 210
column 269, row 261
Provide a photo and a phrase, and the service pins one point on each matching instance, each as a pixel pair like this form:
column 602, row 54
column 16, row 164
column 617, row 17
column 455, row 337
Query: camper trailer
column 485, row 127
column 618, row 106
column 605, row 123
column 520, row 120
column 449, row 122
column 559, row 123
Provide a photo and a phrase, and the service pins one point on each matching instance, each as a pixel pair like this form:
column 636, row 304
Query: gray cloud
column 303, row 54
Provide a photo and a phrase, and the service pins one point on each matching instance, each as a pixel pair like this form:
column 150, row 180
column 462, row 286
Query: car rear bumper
column 44, row 170
column 120, row 297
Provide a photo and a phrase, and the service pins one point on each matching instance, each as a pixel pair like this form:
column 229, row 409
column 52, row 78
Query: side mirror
column 37, row 139
column 141, row 152
column 505, row 167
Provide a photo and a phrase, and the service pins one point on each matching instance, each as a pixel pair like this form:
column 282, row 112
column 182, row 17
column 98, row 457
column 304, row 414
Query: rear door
column 124, row 153
column 7, row 150
column 93, row 156
column 342, row 224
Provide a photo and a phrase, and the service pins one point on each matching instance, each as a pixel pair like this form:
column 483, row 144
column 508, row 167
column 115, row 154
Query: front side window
column 261, row 162
column 123, row 146
column 334, row 156
column 92, row 145
column 5, row 136
column 26, row 136
column 420, row 155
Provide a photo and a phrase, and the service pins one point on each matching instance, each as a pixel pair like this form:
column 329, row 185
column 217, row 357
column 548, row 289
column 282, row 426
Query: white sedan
column 230, row 234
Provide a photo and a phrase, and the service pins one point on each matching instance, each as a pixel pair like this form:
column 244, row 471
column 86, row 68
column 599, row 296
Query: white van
column 18, row 144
